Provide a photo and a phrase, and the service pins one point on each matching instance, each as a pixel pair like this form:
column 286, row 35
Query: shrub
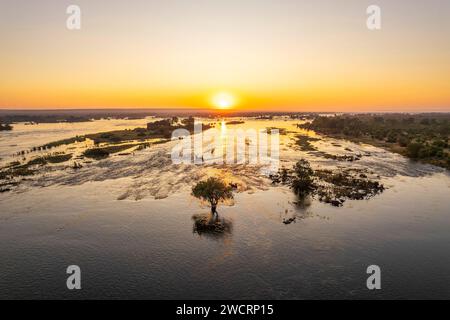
column 413, row 150
column 303, row 182
column 96, row 153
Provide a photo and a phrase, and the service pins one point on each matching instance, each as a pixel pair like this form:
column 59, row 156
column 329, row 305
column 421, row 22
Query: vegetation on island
column 96, row 153
column 51, row 158
column 104, row 152
column 423, row 137
column 302, row 181
column 333, row 187
column 61, row 143
column 5, row 127
column 161, row 129
column 281, row 131
column 234, row 122
column 17, row 169
column 304, row 142
column 105, row 144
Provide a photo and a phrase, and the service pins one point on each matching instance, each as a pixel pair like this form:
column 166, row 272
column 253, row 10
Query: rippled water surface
column 127, row 222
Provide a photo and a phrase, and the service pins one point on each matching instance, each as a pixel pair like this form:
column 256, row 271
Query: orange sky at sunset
column 269, row 55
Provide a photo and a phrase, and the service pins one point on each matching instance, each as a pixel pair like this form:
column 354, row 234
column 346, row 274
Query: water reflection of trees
column 300, row 210
column 212, row 226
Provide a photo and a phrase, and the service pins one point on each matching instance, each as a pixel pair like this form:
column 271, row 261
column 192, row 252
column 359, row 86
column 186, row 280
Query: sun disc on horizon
column 223, row 100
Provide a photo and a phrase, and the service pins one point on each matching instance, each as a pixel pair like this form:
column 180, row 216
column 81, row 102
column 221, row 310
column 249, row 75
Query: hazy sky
column 270, row 54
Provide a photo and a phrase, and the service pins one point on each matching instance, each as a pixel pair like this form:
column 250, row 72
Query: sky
column 267, row 54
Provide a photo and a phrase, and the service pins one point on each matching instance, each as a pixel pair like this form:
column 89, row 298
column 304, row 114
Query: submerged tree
column 212, row 190
column 302, row 182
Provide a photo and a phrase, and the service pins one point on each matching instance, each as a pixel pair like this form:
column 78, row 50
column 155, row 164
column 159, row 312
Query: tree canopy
column 212, row 190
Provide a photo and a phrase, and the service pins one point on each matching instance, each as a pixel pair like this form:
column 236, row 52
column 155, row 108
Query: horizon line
column 210, row 110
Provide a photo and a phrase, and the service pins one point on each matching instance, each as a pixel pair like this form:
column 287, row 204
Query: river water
column 127, row 223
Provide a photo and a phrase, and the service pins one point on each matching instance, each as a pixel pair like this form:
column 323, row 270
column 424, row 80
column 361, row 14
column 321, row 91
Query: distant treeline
column 80, row 115
column 423, row 137
column 55, row 116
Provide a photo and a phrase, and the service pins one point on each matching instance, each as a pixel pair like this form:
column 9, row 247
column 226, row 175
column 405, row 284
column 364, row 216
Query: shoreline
column 388, row 146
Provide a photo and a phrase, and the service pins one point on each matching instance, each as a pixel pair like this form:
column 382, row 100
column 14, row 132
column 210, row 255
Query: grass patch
column 15, row 169
column 305, row 143
column 37, row 161
column 16, row 172
column 138, row 134
column 58, row 158
column 52, row 158
column 13, row 164
column 104, row 152
column 63, row 142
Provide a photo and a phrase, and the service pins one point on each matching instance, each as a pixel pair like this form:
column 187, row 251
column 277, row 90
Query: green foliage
column 212, row 190
column 413, row 150
column 302, row 181
column 157, row 129
column 403, row 141
column 422, row 136
column 162, row 128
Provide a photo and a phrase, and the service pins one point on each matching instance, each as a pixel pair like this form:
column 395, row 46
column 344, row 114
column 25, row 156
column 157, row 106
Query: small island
column 5, row 127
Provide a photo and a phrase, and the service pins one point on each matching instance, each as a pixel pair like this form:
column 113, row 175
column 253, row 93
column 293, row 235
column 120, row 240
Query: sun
column 223, row 100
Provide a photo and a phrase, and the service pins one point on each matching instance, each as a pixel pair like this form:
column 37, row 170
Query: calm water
column 139, row 247
column 25, row 136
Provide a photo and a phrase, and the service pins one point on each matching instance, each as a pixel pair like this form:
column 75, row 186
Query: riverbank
column 420, row 137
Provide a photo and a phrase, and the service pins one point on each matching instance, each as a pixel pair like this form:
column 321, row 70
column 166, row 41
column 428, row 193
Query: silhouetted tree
column 212, row 190
column 303, row 182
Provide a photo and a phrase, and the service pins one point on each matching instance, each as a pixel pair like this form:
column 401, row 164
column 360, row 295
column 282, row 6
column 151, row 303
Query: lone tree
column 303, row 182
column 212, row 190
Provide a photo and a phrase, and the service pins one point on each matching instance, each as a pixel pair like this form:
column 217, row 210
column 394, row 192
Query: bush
column 5, row 127
column 403, row 141
column 96, row 153
column 413, row 150
column 303, row 182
